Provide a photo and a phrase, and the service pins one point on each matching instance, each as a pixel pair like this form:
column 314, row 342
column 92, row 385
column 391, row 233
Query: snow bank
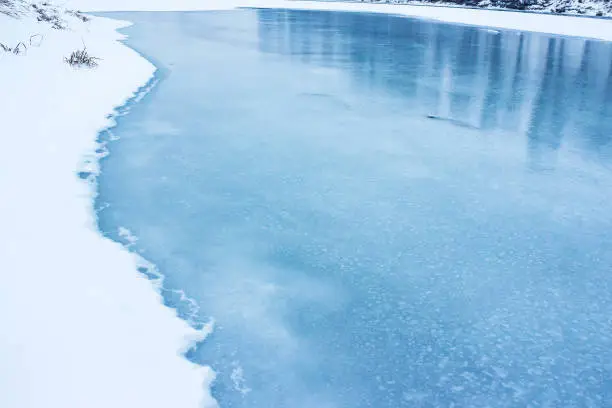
column 80, row 327
column 552, row 24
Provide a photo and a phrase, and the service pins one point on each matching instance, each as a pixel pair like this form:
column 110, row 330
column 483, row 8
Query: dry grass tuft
column 81, row 58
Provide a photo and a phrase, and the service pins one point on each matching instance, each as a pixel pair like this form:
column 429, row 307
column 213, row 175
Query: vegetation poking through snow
column 585, row 7
column 78, row 15
column 45, row 12
column 57, row 17
column 15, row 8
column 21, row 47
column 8, row 7
column 36, row 40
column 81, row 58
column 42, row 11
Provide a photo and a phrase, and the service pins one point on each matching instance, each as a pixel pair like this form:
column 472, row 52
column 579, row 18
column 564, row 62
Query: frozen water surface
column 376, row 211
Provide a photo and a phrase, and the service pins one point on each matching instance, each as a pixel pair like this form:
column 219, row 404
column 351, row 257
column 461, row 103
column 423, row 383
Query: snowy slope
column 80, row 328
column 580, row 7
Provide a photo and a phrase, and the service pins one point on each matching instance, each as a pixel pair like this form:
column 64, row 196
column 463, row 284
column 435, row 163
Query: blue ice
column 376, row 211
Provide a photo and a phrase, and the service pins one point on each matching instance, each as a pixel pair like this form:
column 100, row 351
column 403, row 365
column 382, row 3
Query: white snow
column 80, row 328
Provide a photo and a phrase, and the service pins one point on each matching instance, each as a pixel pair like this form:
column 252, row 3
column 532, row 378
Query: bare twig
column 36, row 40
column 20, row 48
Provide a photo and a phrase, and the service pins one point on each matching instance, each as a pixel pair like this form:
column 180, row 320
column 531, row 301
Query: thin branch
column 20, row 48
column 33, row 42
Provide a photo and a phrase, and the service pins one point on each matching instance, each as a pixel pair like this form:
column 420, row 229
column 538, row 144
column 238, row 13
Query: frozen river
column 376, row 211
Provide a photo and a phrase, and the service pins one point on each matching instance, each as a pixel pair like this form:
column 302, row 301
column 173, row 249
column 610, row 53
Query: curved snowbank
column 80, row 328
column 545, row 23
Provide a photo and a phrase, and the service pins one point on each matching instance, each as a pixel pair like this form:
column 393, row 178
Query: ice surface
column 554, row 24
column 377, row 211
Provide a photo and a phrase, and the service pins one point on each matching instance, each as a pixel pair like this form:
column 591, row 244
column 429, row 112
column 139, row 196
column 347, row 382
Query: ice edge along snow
column 79, row 327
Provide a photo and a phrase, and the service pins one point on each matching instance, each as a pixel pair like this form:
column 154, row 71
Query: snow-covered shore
column 572, row 7
column 81, row 328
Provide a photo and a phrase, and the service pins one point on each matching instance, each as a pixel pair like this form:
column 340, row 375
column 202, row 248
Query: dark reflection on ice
column 377, row 211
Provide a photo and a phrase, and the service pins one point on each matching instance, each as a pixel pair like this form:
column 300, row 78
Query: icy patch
column 238, row 379
column 156, row 127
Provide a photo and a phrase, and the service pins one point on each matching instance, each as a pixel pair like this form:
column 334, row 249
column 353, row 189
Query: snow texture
column 82, row 329
column 579, row 7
